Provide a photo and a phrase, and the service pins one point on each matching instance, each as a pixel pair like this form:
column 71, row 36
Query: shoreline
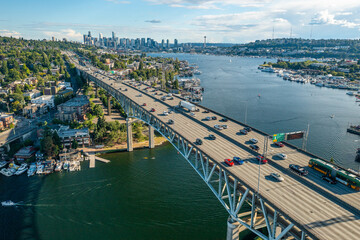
column 159, row 141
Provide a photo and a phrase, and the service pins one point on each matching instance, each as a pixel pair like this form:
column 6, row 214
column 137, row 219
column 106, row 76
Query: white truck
column 189, row 106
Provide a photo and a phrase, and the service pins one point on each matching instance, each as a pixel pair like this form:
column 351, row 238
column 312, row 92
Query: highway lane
column 300, row 202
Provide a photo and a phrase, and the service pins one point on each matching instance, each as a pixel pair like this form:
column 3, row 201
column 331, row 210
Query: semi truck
column 189, row 106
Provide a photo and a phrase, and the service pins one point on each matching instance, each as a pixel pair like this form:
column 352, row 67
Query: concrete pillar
column 109, row 105
column 151, row 137
column 233, row 229
column 129, row 135
column 96, row 91
column 7, row 147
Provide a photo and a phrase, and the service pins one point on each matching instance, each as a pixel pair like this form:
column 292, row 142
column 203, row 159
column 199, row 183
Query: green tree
column 74, row 144
column 97, row 110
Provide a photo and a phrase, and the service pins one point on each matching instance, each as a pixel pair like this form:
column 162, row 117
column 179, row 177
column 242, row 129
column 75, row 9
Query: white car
column 253, row 140
column 192, row 114
column 208, row 118
column 277, row 176
column 165, row 113
column 224, row 126
column 281, row 156
column 218, row 127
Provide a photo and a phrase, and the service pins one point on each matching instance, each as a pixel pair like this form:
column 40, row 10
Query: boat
column 8, row 203
column 3, row 164
column 58, row 166
column 66, row 165
column 40, row 169
column 350, row 93
column 6, row 172
column 23, row 168
column 31, row 171
column 332, row 116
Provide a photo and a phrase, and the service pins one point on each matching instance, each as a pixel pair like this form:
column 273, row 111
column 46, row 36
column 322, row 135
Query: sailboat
column 230, row 60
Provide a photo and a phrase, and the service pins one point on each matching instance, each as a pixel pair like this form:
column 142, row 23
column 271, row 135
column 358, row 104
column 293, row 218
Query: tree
column 74, row 144
column 97, row 110
column 47, row 146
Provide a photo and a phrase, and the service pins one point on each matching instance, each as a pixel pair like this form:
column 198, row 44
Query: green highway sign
column 279, row 137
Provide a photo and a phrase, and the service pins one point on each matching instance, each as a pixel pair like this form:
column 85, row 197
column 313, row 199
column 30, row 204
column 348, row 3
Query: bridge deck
column 327, row 211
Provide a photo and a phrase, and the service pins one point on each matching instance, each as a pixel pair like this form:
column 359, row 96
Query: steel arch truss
column 243, row 204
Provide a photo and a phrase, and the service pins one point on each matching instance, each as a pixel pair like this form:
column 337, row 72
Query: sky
column 221, row 21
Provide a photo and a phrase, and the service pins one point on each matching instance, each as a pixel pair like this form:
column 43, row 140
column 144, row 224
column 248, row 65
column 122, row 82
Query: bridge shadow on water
column 19, row 222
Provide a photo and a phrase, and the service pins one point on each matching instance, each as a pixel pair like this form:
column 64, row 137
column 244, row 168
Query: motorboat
column 58, row 166
column 8, row 203
column 66, row 165
column 31, row 171
column 40, row 169
column 6, row 172
column 23, row 168
column 3, row 164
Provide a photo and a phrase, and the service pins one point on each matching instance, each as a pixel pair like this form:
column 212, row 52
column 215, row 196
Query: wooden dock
column 92, row 158
column 102, row 159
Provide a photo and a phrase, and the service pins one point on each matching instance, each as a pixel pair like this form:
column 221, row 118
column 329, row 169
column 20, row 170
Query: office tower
column 113, row 36
column 167, row 43
column 142, row 42
column 204, row 41
column 175, row 43
column 163, row 43
column 89, row 34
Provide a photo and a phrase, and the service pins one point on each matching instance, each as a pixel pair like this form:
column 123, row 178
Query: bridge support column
column 109, row 105
column 7, row 147
column 151, row 137
column 129, row 135
column 96, row 91
column 233, row 229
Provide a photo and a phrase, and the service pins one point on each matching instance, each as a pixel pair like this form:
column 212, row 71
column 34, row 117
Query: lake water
column 155, row 193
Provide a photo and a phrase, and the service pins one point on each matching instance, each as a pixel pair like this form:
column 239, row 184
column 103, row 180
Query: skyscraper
column 89, row 34
column 167, row 43
column 204, row 41
column 113, row 36
column 163, row 43
column 175, row 43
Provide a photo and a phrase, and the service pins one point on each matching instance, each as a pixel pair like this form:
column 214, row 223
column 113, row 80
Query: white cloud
column 210, row 4
column 8, row 33
column 69, row 34
column 324, row 17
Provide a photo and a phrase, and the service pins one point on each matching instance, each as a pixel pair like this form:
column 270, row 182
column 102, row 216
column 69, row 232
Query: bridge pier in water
column 151, row 137
column 233, row 229
column 129, row 135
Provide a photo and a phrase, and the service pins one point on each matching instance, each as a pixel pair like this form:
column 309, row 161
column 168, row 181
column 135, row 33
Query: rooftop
column 77, row 101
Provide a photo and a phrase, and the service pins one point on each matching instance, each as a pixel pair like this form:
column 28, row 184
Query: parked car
column 277, row 176
column 165, row 113
column 192, row 114
column 243, row 131
column 144, row 104
column 238, row 160
column 328, row 179
column 212, row 137
column 262, row 159
column 224, row 126
column 254, row 147
column 198, row 141
column 248, row 129
column 213, row 118
column 223, row 120
column 218, row 127
column 152, row 110
column 170, row 121
column 281, row 156
column 208, row 118
column 229, row 162
column 279, row 144
column 298, row 169
column 206, row 111
column 253, row 140
column 140, row 95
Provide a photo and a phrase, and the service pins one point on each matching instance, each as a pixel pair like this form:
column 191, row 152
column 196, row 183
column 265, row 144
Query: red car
column 144, row 104
column 152, row 110
column 262, row 159
column 229, row 162
column 279, row 144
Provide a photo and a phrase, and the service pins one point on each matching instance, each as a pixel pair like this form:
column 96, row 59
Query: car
column 206, row 111
column 224, row 126
column 277, row 176
column 125, row 89
column 165, row 113
column 223, row 120
column 243, row 131
column 218, row 127
column 213, row 118
column 248, row 129
column 279, row 144
column 163, row 98
column 254, row 147
column 192, row 114
column 170, row 112
column 198, row 141
column 160, row 94
column 208, row 118
column 281, row 156
column 140, row 95
column 152, row 110
column 171, row 121
column 170, row 98
column 229, row 162
column 262, row 159
column 253, row 140
column 298, row 169
column 212, row 137
column 238, row 160
column 328, row 179
column 144, row 104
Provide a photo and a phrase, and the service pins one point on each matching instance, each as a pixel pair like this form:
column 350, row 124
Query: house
column 67, row 136
column 7, row 119
column 74, row 109
column 70, row 155
column 32, row 94
column 47, row 100
column 25, row 153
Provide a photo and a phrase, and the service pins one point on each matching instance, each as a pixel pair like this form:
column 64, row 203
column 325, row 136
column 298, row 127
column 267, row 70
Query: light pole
column 245, row 110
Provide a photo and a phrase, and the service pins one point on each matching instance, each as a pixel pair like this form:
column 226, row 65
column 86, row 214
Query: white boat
column 7, row 203
column 40, row 169
column 66, row 165
column 3, row 163
column 31, row 171
column 6, row 172
column 350, row 93
column 58, row 166
column 23, row 168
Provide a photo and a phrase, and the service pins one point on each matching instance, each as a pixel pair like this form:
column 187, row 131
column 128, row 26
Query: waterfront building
column 47, row 100
column 25, row 153
column 70, row 155
column 67, row 136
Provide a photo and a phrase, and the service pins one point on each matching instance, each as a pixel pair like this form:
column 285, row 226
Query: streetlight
column 245, row 110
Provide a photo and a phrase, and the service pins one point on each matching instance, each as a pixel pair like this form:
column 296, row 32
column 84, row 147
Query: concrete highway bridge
column 300, row 207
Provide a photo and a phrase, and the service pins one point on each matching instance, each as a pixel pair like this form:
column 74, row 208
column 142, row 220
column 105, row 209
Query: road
column 326, row 211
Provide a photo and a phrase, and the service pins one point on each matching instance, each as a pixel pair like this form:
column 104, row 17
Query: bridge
column 11, row 135
column 297, row 208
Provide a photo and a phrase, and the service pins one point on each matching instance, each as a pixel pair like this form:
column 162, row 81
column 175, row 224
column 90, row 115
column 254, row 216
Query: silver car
column 277, row 176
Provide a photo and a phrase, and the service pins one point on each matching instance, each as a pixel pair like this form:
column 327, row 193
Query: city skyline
column 227, row 21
